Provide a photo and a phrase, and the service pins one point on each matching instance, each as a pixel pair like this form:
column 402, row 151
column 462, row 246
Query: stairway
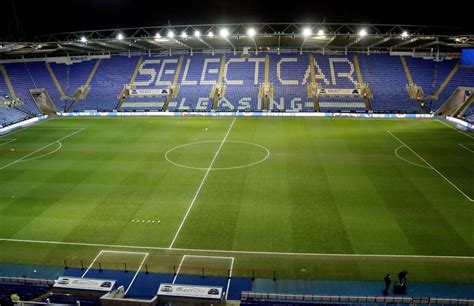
column 174, row 91
column 446, row 81
column 266, row 79
column 132, row 80
column 360, row 80
column 465, row 106
column 89, row 79
column 407, row 71
column 55, row 80
column 215, row 95
column 313, row 83
column 7, row 80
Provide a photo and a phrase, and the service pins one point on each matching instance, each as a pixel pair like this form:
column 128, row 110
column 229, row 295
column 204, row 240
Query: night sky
column 51, row 16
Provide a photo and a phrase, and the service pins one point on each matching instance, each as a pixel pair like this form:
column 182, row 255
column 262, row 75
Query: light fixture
column 197, row 33
column 210, row 34
column 224, row 33
column 306, row 32
column 251, row 32
column 362, row 32
column 120, row 36
column 170, row 34
column 405, row 34
column 157, row 36
column 184, row 35
column 83, row 39
column 321, row 32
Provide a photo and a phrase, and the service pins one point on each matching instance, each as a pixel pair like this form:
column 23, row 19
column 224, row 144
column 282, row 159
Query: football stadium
column 238, row 163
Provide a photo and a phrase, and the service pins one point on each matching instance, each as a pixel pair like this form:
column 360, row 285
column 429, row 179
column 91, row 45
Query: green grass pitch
column 308, row 198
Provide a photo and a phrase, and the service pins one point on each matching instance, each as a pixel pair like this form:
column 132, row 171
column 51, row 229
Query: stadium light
column 210, row 34
column 170, row 34
column 184, row 35
column 363, row 33
column 405, row 34
column 157, row 36
column 224, row 33
column 306, row 32
column 321, row 32
column 197, row 33
column 251, row 32
column 120, row 36
column 83, row 39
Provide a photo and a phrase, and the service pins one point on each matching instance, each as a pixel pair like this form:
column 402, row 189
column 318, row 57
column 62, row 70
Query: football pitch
column 312, row 198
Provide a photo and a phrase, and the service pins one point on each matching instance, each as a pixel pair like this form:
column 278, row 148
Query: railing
column 257, row 296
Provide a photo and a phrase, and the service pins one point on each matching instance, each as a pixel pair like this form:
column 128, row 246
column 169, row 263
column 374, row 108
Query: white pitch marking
column 137, row 247
column 138, row 271
column 222, row 168
column 9, row 141
column 406, row 160
column 92, row 264
column 42, row 148
column 452, row 127
column 46, row 154
column 212, row 257
column 179, row 269
column 466, row 147
column 433, row 168
column 202, row 183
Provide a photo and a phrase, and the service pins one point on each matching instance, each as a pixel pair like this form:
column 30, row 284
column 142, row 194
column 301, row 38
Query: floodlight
column 157, row 36
column 184, row 35
column 224, row 33
column 321, row 32
column 83, row 39
column 306, row 32
column 405, row 34
column 362, row 32
column 251, row 32
column 197, row 33
column 210, row 34
column 120, row 36
column 170, row 34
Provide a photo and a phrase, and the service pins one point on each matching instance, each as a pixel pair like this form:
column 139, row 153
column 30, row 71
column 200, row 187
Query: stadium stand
column 196, row 75
column 200, row 72
column 242, row 84
column 290, row 75
column 111, row 76
column 22, row 80
column 26, row 289
column 10, row 115
column 387, row 80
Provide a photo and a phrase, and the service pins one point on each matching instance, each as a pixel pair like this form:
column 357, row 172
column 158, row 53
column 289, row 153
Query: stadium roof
column 263, row 36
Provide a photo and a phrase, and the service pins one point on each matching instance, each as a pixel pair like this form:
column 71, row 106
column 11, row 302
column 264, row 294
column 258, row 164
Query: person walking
column 388, row 281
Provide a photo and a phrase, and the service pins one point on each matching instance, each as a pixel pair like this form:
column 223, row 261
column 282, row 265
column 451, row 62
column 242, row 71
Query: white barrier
column 465, row 124
column 243, row 114
column 22, row 124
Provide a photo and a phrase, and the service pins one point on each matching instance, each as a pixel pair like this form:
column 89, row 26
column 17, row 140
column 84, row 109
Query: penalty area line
column 432, row 168
column 42, row 148
column 184, row 250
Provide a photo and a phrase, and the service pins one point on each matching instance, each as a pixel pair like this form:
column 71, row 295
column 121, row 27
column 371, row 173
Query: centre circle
column 188, row 148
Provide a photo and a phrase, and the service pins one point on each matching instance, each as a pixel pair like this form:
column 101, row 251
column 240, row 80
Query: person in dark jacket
column 388, row 281
column 402, row 277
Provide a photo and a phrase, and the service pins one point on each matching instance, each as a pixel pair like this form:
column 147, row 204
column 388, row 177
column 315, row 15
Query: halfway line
column 202, row 183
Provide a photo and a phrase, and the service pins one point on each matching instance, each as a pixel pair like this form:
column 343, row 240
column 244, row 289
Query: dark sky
column 50, row 16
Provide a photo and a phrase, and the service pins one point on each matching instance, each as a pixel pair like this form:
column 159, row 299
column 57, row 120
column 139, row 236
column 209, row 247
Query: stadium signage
column 149, row 92
column 328, row 72
column 84, row 284
column 186, row 291
column 338, row 92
